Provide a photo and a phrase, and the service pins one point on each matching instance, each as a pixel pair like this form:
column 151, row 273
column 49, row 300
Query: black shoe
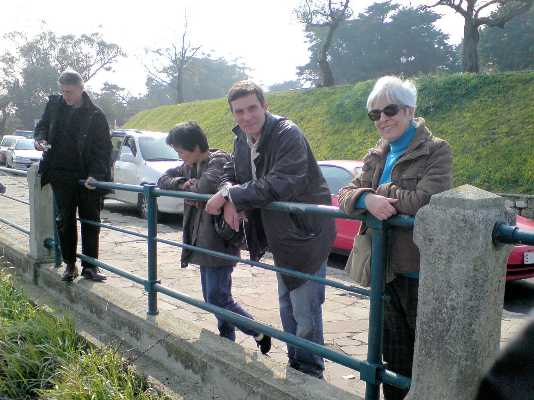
column 93, row 275
column 71, row 272
column 264, row 344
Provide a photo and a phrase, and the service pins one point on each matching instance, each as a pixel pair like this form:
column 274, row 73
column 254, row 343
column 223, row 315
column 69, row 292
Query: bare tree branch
column 483, row 6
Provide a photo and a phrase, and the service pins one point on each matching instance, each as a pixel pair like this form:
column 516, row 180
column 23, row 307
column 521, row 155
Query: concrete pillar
column 461, row 293
column 41, row 217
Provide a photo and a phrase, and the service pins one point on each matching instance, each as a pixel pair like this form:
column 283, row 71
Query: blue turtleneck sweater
column 396, row 150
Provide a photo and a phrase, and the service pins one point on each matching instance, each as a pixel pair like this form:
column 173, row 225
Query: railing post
column 152, row 228
column 57, row 249
column 461, row 293
column 41, row 217
column 376, row 312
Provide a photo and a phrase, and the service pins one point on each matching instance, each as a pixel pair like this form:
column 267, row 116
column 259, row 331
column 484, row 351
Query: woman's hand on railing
column 379, row 206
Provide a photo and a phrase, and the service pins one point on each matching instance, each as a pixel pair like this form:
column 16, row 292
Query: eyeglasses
column 390, row 111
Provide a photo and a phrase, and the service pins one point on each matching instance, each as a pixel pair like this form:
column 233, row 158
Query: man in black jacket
column 273, row 161
column 75, row 136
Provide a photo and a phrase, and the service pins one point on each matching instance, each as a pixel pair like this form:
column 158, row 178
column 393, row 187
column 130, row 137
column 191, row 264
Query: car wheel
column 142, row 208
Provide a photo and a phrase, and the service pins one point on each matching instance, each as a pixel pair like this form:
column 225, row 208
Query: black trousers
column 400, row 315
column 70, row 197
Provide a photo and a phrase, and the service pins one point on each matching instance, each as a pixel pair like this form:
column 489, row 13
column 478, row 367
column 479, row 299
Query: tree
column 471, row 11
column 320, row 15
column 509, row 48
column 113, row 100
column 7, row 106
column 204, row 78
column 37, row 63
column 175, row 60
column 385, row 39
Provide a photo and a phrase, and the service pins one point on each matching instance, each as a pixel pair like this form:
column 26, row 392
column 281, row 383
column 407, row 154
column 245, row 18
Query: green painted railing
column 371, row 370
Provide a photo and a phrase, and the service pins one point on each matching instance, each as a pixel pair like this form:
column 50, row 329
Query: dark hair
column 245, row 88
column 188, row 135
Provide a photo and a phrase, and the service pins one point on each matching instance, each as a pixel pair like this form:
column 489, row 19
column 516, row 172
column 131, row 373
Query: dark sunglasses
column 390, row 111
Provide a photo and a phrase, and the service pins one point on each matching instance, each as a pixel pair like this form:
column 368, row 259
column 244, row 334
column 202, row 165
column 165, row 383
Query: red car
column 338, row 173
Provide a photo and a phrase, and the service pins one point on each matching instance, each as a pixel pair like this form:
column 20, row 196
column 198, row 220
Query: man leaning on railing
column 273, row 161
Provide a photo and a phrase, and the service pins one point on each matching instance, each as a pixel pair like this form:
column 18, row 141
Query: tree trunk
column 180, row 86
column 3, row 122
column 326, row 77
column 470, row 47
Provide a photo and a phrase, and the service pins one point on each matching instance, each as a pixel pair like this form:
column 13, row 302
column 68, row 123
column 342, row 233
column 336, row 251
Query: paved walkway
column 345, row 314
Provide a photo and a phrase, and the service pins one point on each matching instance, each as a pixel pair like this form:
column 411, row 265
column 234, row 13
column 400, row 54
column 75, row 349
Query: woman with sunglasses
column 400, row 174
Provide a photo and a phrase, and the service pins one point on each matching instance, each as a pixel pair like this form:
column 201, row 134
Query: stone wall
column 522, row 203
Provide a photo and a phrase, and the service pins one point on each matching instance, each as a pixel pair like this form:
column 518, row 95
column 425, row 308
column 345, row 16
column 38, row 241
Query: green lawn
column 487, row 119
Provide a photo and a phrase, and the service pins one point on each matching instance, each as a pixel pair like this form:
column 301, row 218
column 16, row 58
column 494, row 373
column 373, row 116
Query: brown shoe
column 71, row 272
column 92, row 274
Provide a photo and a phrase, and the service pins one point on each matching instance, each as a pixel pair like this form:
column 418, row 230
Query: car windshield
column 336, row 177
column 8, row 142
column 26, row 144
column 155, row 149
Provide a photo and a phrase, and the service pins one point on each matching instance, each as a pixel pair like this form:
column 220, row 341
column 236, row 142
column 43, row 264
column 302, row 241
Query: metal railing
column 5, row 221
column 372, row 371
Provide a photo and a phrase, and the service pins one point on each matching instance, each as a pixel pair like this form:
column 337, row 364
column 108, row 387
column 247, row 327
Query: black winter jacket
column 94, row 140
column 286, row 170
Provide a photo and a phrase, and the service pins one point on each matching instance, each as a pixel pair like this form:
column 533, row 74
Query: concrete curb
column 197, row 364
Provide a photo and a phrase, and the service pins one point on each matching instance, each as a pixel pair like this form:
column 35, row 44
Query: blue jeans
column 217, row 290
column 302, row 315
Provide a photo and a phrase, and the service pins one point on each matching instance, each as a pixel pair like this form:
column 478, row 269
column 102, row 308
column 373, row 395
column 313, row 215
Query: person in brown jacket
column 399, row 176
column 200, row 173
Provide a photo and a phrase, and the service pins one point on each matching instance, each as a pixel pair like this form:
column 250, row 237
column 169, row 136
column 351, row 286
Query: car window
column 336, row 177
column 26, row 144
column 126, row 150
column 155, row 149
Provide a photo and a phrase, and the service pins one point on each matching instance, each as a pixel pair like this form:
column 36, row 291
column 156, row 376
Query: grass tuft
column 42, row 357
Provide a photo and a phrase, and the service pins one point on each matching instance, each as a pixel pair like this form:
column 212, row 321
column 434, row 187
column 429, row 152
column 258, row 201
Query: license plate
column 528, row 257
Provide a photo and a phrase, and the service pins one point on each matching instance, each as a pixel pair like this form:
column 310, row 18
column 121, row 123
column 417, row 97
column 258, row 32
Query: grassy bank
column 42, row 357
column 488, row 120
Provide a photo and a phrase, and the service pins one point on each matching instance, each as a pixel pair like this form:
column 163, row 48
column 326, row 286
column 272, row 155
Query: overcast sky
column 263, row 35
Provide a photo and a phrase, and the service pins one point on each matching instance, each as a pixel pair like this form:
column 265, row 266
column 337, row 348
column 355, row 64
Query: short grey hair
column 70, row 77
column 394, row 90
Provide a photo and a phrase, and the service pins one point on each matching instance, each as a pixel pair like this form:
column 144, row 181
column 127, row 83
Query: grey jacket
column 286, row 170
column 198, row 228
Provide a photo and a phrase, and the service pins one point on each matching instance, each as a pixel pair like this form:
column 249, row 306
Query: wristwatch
column 225, row 192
